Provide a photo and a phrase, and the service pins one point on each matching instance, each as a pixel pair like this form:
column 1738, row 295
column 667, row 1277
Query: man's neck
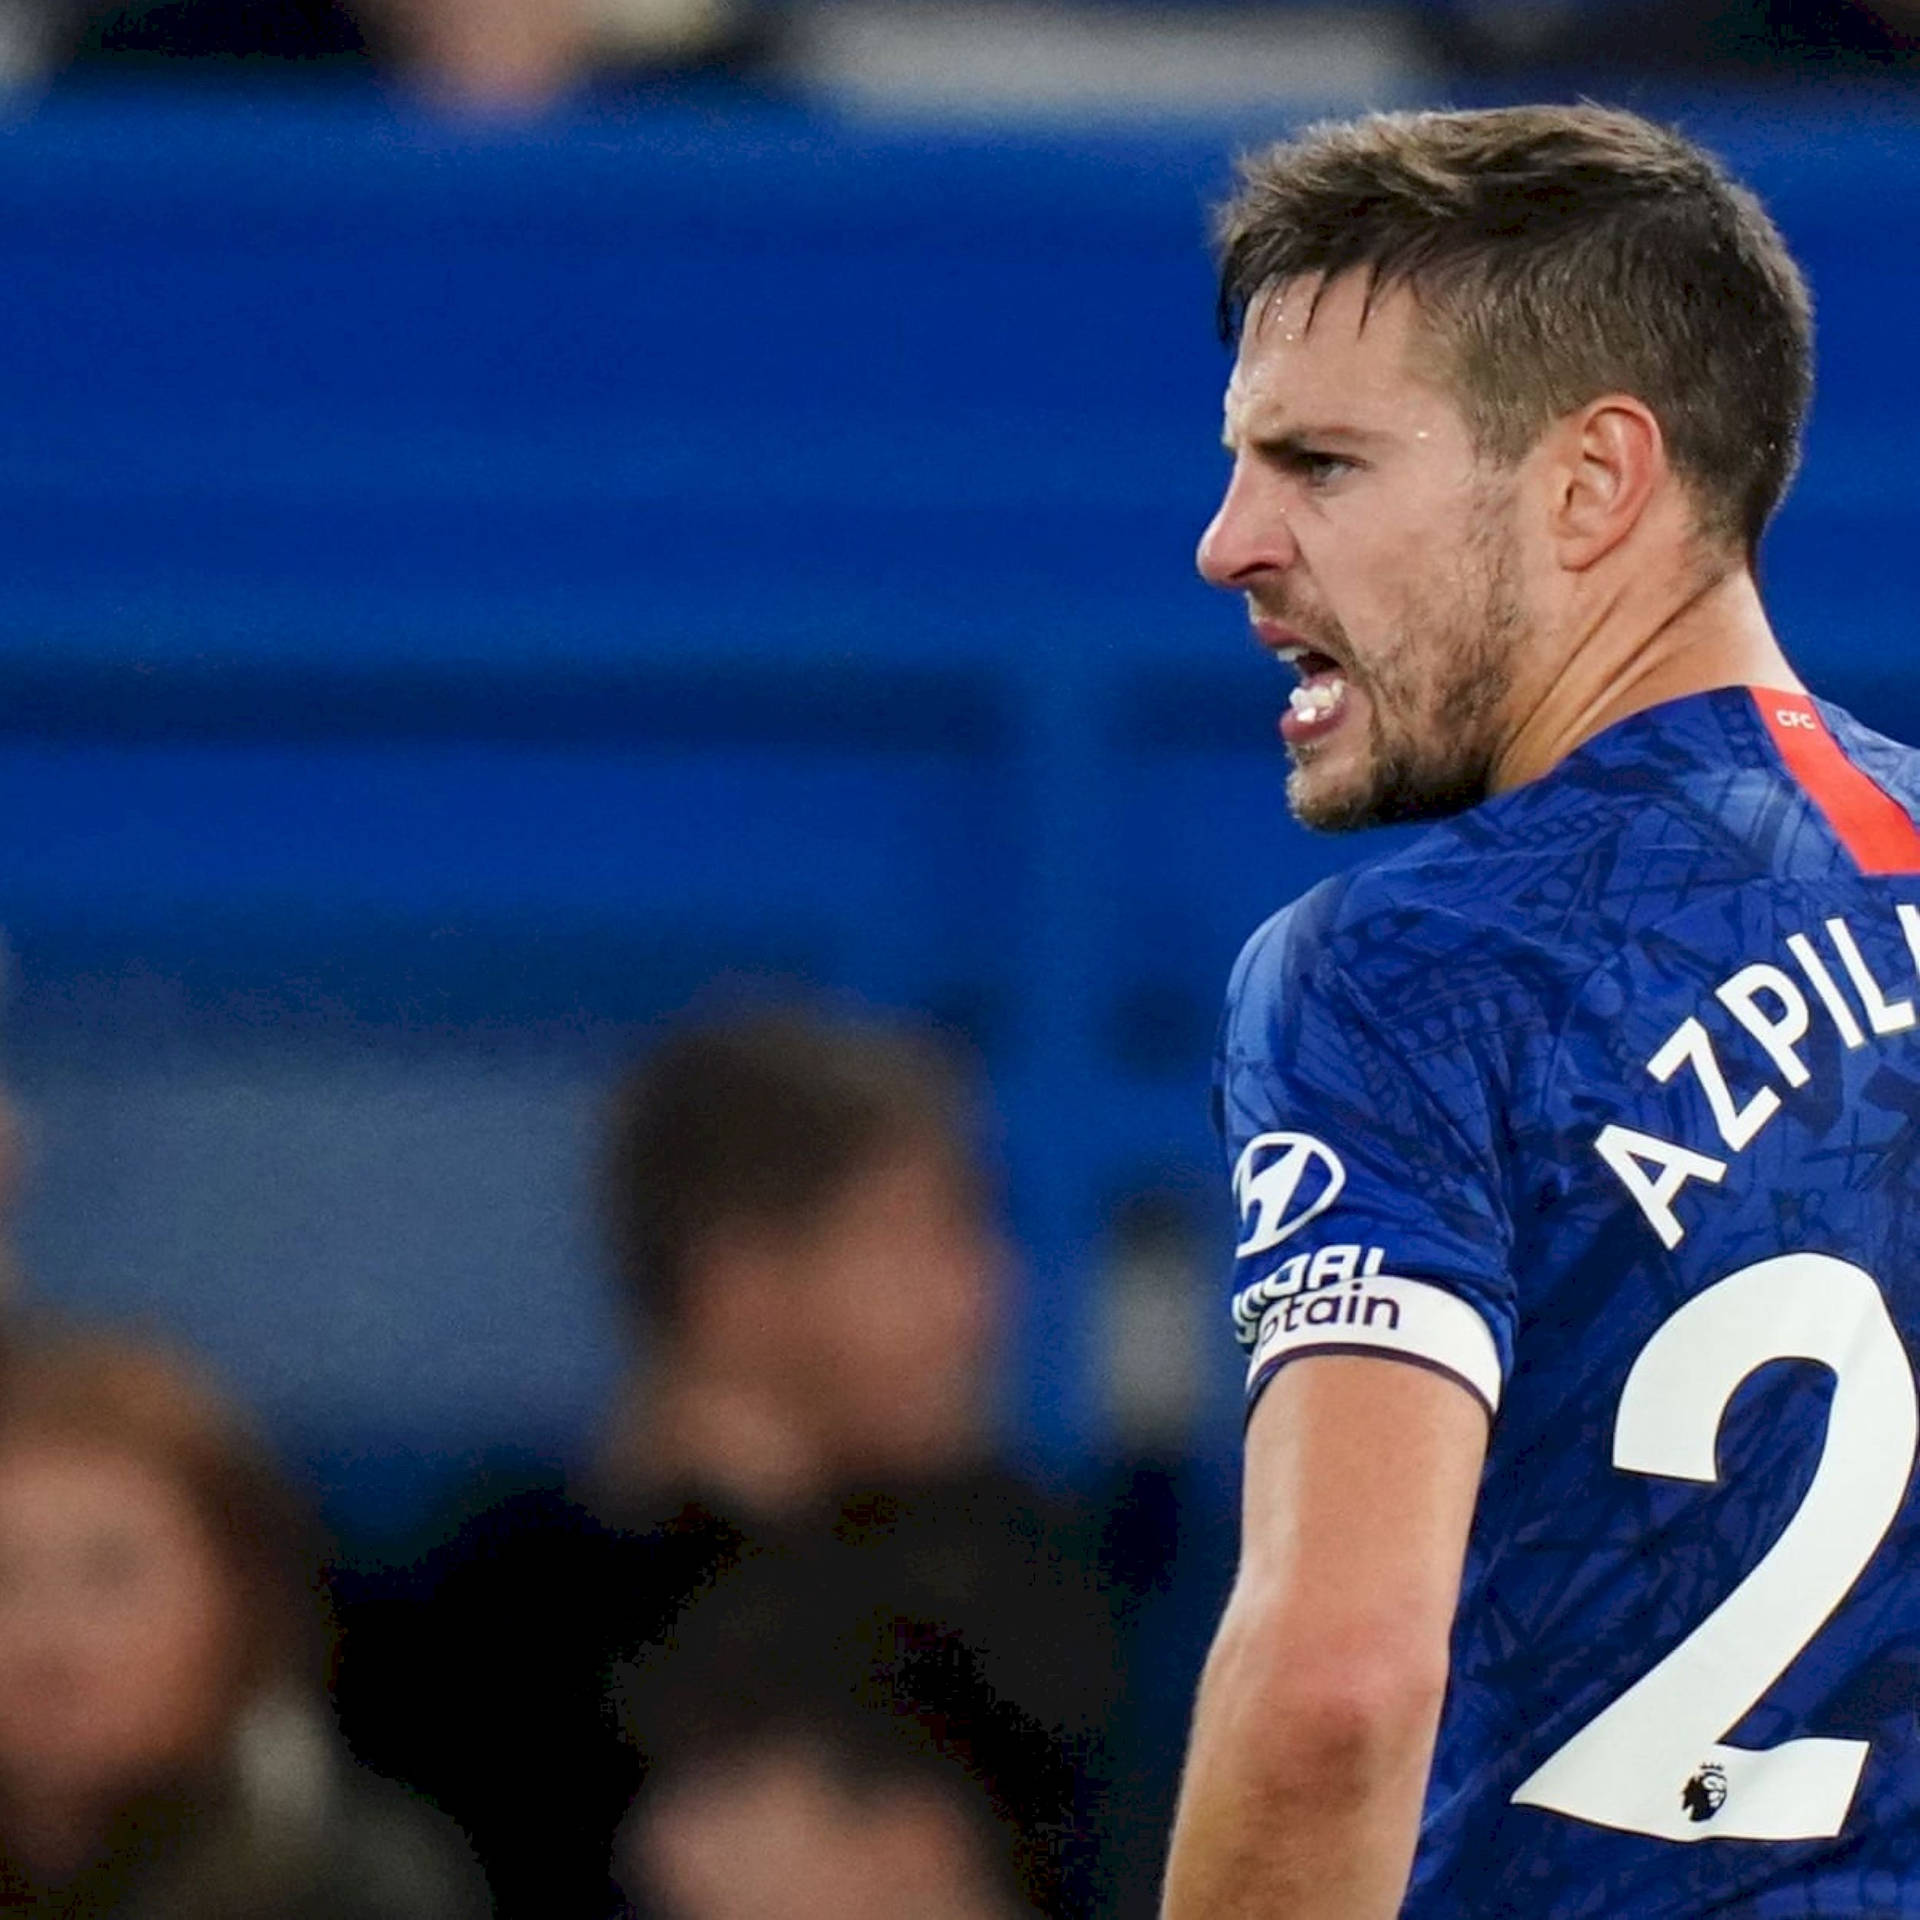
column 1712, row 633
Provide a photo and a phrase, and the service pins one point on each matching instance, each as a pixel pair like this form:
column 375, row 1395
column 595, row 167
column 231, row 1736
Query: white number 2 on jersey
column 1655, row 1761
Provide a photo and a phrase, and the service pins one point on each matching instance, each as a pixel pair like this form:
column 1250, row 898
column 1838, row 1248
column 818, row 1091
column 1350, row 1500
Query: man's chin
column 1331, row 799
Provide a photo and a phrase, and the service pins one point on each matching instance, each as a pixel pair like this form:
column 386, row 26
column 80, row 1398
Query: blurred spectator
column 810, row 1262
column 493, row 55
column 519, row 56
column 486, row 57
column 164, row 1750
column 815, row 1280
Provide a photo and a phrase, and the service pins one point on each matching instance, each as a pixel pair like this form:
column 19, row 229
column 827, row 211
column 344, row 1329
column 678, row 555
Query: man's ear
column 1606, row 463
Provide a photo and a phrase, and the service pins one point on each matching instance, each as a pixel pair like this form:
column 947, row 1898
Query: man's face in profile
column 1375, row 549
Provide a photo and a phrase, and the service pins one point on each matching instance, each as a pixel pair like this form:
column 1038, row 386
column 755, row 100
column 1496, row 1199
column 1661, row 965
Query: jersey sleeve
column 1364, row 1150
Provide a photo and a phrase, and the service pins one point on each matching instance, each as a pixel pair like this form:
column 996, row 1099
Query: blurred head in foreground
column 153, row 1577
column 792, row 1777
column 1511, row 386
column 155, row 1586
column 808, row 1825
column 806, row 1246
column 165, row 1751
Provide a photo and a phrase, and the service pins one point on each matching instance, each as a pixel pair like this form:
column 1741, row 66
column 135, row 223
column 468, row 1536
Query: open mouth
column 1316, row 705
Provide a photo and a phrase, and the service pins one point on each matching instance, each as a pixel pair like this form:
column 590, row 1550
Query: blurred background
column 525, row 520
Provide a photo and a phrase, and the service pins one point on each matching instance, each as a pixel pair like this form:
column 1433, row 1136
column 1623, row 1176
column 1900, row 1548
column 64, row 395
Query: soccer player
column 1576, row 1143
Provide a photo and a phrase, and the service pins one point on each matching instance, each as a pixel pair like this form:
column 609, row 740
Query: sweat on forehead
column 1337, row 340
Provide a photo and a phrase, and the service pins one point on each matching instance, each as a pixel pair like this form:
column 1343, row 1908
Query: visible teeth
column 1318, row 700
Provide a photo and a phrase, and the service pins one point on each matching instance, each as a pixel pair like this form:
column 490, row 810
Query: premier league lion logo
column 1705, row 1794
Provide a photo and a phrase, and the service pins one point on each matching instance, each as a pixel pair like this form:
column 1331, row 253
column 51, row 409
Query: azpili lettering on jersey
column 1772, row 1007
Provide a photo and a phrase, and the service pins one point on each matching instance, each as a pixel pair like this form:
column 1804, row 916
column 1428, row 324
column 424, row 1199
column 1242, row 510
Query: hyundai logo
column 1282, row 1181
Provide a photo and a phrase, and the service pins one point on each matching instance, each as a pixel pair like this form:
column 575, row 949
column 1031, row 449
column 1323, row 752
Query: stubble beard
column 1432, row 731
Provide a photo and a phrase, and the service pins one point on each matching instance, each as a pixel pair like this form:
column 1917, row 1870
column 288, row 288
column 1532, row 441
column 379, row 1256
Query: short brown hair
column 1559, row 253
column 763, row 1121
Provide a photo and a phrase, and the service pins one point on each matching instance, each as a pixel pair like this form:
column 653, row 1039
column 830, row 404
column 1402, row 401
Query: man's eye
column 1316, row 469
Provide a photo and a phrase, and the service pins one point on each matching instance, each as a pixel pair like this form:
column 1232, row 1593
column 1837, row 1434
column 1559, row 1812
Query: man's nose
column 1248, row 535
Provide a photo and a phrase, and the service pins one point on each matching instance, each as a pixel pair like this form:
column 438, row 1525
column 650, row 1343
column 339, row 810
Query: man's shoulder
column 1441, row 917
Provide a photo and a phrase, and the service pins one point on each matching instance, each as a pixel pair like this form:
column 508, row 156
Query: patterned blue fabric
column 1455, row 1029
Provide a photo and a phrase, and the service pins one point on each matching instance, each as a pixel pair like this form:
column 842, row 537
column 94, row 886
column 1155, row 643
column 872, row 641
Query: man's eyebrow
column 1294, row 441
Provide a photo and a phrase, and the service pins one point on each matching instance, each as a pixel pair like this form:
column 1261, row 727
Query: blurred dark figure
column 1729, row 39
column 276, row 38
column 815, row 1281
column 164, row 1748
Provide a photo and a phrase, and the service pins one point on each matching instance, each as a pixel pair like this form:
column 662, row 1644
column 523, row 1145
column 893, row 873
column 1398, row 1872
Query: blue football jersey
column 1604, row 1099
